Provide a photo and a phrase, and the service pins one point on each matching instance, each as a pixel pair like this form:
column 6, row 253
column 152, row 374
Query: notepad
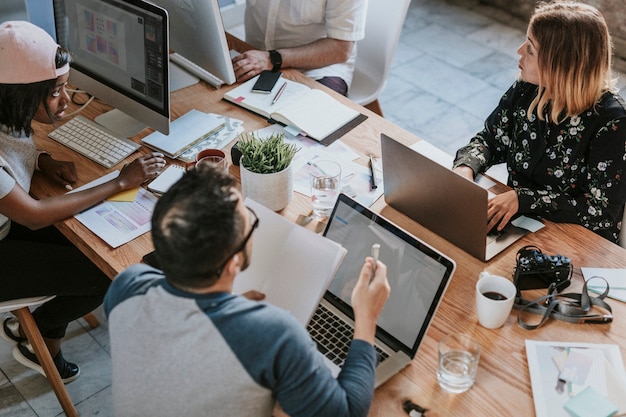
column 166, row 179
column 189, row 129
column 313, row 112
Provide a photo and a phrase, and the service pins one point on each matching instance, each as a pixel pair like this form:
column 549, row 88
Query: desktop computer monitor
column 120, row 55
column 198, row 39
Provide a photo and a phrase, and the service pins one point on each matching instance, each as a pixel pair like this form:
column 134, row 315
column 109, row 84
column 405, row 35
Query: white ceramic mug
column 495, row 296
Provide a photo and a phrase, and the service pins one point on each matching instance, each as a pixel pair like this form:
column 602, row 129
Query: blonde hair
column 574, row 58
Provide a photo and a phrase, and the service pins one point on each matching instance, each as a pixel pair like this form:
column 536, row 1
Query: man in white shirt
column 315, row 36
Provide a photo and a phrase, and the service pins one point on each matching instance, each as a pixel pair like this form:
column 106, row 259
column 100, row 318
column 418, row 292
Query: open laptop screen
column 417, row 274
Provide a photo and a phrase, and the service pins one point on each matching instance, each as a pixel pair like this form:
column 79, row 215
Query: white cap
column 27, row 54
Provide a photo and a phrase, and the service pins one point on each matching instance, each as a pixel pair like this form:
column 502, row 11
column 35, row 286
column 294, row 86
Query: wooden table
column 502, row 384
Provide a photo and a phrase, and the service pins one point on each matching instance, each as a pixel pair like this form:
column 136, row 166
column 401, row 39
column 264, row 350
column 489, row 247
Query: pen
column 373, row 174
column 375, row 253
column 280, row 92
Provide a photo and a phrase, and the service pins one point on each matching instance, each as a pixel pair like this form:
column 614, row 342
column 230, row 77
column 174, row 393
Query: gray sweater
column 17, row 160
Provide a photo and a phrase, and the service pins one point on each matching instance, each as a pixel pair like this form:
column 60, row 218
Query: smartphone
column 266, row 81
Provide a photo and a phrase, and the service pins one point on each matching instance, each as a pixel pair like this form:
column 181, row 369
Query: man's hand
column 251, row 63
column 368, row 299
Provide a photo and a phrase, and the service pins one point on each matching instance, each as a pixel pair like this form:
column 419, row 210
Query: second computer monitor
column 197, row 34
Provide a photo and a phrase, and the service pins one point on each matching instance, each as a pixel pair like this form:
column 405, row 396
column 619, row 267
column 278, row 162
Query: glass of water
column 325, row 178
column 458, row 361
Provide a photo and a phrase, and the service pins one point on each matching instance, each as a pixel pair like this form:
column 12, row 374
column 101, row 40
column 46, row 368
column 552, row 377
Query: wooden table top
column 502, row 385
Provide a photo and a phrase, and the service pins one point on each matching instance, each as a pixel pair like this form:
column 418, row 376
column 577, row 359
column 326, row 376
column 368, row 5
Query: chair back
column 375, row 52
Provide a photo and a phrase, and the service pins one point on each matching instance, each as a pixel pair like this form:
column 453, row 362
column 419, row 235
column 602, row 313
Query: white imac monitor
column 198, row 40
column 120, row 55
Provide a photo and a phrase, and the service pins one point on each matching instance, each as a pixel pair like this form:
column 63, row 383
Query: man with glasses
column 183, row 344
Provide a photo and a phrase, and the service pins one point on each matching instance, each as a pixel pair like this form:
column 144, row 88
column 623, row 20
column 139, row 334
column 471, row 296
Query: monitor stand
column 179, row 78
column 120, row 123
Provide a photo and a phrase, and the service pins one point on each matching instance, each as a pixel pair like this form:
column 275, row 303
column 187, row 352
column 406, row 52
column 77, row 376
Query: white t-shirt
column 275, row 24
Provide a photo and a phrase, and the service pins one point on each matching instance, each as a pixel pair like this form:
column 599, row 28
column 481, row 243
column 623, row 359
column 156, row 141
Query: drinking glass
column 458, row 361
column 325, row 178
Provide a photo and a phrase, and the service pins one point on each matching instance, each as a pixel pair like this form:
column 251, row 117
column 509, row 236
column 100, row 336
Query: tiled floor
column 453, row 63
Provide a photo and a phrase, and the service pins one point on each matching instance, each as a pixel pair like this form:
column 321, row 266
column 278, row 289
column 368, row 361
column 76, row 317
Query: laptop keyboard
column 333, row 336
column 493, row 236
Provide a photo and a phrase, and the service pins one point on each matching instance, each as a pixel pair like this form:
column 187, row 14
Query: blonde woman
column 560, row 128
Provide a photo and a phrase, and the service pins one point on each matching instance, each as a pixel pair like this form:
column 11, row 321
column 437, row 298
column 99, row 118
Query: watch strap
column 276, row 59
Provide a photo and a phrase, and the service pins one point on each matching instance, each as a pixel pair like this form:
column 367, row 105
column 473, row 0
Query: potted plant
column 265, row 166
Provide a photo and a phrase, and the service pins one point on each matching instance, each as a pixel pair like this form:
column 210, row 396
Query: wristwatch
column 276, row 59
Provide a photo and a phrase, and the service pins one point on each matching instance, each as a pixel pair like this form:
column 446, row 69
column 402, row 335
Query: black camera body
column 535, row 269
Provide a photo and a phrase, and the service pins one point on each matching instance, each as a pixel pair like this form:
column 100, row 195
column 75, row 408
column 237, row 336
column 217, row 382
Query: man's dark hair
column 19, row 102
column 196, row 226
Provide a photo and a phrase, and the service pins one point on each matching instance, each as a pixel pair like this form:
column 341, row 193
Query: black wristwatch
column 276, row 59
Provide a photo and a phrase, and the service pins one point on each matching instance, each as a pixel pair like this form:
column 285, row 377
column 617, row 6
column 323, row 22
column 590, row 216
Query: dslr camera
column 535, row 269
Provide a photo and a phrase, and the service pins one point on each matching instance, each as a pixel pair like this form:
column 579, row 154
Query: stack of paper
column 118, row 221
column 572, row 379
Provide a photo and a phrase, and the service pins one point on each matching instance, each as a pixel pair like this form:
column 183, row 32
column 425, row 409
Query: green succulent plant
column 265, row 156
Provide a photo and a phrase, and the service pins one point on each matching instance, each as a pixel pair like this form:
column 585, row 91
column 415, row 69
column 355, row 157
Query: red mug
column 214, row 156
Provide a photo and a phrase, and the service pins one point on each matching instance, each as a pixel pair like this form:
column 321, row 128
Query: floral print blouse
column 572, row 172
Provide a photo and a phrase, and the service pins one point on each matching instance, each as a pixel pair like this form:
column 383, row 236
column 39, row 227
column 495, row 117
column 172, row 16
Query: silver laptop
column 418, row 276
column 441, row 200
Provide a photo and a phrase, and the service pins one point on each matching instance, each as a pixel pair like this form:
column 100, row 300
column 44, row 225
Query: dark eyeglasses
column 254, row 219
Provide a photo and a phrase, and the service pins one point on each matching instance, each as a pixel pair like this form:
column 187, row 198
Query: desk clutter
column 196, row 131
column 576, row 379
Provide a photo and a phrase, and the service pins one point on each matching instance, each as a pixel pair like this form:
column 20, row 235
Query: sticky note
column 125, row 196
column 590, row 403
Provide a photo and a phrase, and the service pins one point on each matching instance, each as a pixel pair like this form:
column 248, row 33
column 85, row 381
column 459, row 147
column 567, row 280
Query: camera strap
column 569, row 307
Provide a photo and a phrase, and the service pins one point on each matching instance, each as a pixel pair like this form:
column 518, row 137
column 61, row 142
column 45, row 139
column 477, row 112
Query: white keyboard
column 93, row 141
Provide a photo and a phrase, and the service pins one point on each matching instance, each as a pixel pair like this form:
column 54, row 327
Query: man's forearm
column 320, row 53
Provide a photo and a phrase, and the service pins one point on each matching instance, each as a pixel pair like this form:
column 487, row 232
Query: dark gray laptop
column 441, row 200
column 418, row 276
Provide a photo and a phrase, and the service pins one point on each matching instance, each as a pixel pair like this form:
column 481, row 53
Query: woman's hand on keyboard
column 140, row 170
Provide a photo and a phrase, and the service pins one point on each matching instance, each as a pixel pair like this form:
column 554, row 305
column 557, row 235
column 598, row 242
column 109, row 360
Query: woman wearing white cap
column 36, row 259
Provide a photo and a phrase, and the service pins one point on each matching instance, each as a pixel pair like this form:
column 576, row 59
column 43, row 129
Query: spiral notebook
column 166, row 179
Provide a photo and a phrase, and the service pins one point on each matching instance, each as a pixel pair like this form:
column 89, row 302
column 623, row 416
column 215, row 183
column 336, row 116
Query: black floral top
column 568, row 173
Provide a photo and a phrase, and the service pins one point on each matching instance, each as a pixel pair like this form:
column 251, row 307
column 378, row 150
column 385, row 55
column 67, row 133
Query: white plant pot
column 274, row 191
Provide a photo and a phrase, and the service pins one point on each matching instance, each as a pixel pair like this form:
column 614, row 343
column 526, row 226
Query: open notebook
column 311, row 111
